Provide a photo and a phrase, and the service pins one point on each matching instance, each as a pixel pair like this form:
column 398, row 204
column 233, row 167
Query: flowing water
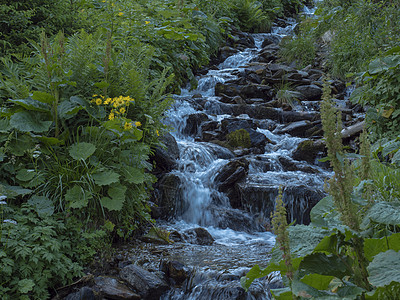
column 241, row 240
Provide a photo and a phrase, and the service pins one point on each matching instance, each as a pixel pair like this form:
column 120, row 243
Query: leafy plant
column 239, row 138
column 36, row 252
column 348, row 249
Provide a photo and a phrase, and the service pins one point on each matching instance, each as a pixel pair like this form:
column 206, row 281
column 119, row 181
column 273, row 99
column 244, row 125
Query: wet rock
column 259, row 69
column 310, row 92
column 295, row 116
column 166, row 196
column 298, row 128
column 258, row 111
column 208, row 136
column 309, row 150
column 258, row 140
column 226, row 89
column 299, row 200
column 228, row 176
column 270, row 39
column 111, row 288
column 175, row 271
column 220, row 151
column 226, row 51
column 231, row 124
column 236, row 219
column 256, row 91
column 230, row 290
column 85, row 293
column 165, row 157
column 292, row 165
column 147, row 284
column 199, row 236
column 193, row 123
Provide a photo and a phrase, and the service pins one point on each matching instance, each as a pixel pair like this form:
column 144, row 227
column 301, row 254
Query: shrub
column 239, row 138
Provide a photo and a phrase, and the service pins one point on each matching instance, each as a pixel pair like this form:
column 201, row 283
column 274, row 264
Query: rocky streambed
column 251, row 126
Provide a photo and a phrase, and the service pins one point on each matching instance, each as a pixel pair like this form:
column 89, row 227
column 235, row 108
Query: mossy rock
column 239, row 139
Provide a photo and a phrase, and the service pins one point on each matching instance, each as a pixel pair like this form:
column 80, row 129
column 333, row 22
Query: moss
column 239, row 139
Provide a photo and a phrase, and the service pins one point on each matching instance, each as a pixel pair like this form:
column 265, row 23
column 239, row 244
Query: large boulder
column 165, row 156
column 147, row 284
column 166, row 196
column 256, row 91
column 193, row 123
column 310, row 92
column 111, row 288
column 309, row 151
column 199, row 236
column 228, row 176
column 298, row 128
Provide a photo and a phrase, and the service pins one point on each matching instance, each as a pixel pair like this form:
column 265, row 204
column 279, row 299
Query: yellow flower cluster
column 119, row 107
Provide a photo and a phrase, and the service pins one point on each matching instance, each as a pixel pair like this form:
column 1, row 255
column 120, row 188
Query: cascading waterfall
column 235, row 247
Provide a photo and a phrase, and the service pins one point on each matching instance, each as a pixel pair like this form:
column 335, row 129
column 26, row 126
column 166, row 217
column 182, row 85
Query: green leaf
column 384, row 213
column 390, row 147
column 81, row 150
column 390, row 291
column 350, row 292
column 27, row 121
column 133, row 175
column 282, row 294
column 43, row 97
column 42, row 205
column 25, row 174
column 67, row 109
column 25, row 285
column 317, row 281
column 105, row 177
column 373, row 247
column 117, row 194
column 77, row 197
column 4, row 125
column 101, row 85
column 301, row 289
column 384, row 269
column 324, row 212
column 323, row 264
column 31, row 104
column 254, row 273
column 304, row 239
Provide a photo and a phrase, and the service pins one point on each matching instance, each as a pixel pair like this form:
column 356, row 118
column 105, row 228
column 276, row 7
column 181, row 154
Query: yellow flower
column 147, row 22
column 120, row 14
column 107, row 101
column 122, row 110
column 158, row 134
column 99, row 101
column 95, row 95
column 127, row 126
column 111, row 116
column 138, row 124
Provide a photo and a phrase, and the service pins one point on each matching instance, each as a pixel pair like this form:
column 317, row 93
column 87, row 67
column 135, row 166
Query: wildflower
column 158, row 134
column 147, row 22
column 111, row 116
column 99, row 101
column 122, row 110
column 138, row 124
column 120, row 13
column 127, row 126
column 107, row 101
column 95, row 95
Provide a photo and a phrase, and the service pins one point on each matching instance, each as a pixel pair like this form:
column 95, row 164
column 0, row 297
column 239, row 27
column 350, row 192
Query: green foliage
column 342, row 255
column 379, row 89
column 22, row 21
column 36, row 254
column 239, row 138
column 298, row 48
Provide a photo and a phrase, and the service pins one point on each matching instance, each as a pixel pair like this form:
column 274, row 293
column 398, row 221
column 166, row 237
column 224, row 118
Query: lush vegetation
column 83, row 89
column 351, row 249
